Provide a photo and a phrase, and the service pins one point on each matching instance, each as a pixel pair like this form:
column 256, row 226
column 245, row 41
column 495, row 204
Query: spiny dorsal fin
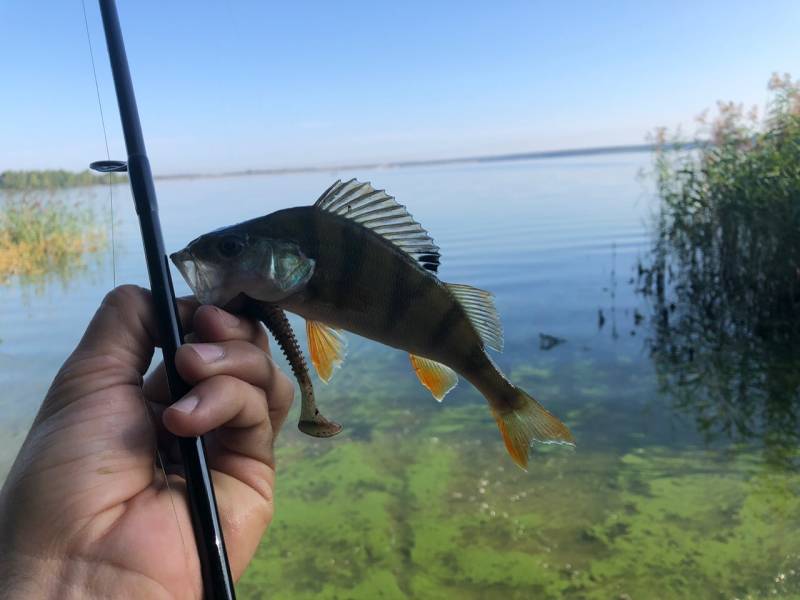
column 327, row 347
column 438, row 378
column 479, row 306
column 380, row 212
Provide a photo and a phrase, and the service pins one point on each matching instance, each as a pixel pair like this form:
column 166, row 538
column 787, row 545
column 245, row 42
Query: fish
column 356, row 260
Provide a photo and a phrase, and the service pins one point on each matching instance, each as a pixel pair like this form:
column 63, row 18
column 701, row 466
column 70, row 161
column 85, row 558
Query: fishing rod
column 216, row 574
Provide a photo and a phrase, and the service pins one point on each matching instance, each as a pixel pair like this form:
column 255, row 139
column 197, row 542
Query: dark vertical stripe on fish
column 477, row 357
column 312, row 241
column 451, row 318
column 351, row 258
column 399, row 297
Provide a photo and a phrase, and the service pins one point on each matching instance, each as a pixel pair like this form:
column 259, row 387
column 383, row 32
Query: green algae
column 421, row 518
column 418, row 500
column 698, row 528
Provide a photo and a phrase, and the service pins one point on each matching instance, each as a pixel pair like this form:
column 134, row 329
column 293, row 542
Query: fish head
column 220, row 265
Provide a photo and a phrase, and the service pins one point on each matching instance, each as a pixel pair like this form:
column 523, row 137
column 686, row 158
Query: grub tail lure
column 311, row 420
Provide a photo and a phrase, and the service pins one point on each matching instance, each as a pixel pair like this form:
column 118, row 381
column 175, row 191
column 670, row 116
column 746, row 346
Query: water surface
column 419, row 500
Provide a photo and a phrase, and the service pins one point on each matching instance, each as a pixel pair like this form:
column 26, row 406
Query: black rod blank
column 217, row 581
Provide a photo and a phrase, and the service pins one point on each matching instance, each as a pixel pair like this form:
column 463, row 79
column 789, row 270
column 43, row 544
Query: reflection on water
column 417, row 499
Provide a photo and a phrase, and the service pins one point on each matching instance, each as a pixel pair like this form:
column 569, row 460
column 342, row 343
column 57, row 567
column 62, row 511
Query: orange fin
column 529, row 421
column 327, row 347
column 438, row 378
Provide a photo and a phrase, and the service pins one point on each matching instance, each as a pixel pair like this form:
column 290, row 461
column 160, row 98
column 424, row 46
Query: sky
column 232, row 85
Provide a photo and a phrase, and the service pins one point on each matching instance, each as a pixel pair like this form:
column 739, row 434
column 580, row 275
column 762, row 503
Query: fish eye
column 230, row 246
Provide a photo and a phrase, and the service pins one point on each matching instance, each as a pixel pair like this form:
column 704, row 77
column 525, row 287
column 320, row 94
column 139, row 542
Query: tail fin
column 526, row 422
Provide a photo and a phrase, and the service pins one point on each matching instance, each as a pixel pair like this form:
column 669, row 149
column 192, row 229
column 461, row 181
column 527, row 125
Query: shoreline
column 402, row 164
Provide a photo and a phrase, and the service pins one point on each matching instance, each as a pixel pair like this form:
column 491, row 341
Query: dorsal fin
column 480, row 308
column 380, row 212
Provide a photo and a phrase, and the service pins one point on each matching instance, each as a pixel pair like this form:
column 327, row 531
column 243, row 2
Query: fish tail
column 523, row 420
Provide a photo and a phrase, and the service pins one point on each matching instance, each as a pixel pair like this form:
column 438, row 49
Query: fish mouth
column 195, row 275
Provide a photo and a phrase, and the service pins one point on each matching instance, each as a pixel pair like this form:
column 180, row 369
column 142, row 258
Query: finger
column 281, row 396
column 125, row 326
column 209, row 324
column 280, row 391
column 237, row 358
column 235, row 408
column 244, row 361
column 213, row 324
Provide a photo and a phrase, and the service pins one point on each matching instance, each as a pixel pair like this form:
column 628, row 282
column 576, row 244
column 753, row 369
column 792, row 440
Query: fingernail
column 186, row 404
column 227, row 318
column 209, row 352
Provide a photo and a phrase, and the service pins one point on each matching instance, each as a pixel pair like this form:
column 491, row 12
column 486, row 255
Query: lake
column 661, row 498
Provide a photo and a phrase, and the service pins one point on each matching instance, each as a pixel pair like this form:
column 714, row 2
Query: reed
column 723, row 273
column 42, row 234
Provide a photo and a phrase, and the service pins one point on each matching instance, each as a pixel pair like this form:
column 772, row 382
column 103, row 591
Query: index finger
column 125, row 327
column 212, row 323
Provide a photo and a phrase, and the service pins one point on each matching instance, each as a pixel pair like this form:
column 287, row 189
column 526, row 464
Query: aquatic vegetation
column 424, row 517
column 724, row 272
column 410, row 502
column 52, row 179
column 42, row 235
column 668, row 531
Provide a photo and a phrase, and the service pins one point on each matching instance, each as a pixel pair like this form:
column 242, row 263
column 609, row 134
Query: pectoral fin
column 327, row 347
column 438, row 378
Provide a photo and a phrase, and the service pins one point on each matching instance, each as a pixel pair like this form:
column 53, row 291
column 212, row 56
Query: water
column 417, row 499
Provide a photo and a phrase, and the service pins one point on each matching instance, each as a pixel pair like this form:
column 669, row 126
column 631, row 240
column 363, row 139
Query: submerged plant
column 42, row 235
column 724, row 270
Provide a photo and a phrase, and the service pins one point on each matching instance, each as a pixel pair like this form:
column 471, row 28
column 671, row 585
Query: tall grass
column 41, row 234
column 55, row 178
column 724, row 270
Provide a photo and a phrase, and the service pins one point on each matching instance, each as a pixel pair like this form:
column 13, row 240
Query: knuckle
column 224, row 382
column 253, row 356
column 127, row 296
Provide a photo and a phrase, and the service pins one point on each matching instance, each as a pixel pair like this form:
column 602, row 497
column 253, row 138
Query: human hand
column 86, row 512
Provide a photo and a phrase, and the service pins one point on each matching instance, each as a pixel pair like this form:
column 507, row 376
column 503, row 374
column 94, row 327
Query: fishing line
column 108, row 154
column 148, row 414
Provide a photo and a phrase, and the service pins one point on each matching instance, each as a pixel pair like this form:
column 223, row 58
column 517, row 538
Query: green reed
column 42, row 234
column 724, row 270
column 54, row 179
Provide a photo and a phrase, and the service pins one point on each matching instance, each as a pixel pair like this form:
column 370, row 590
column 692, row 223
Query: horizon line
column 402, row 164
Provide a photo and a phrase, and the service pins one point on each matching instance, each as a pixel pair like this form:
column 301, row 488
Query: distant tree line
column 51, row 179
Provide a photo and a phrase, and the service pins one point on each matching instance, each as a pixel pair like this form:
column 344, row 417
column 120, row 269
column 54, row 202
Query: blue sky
column 229, row 85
